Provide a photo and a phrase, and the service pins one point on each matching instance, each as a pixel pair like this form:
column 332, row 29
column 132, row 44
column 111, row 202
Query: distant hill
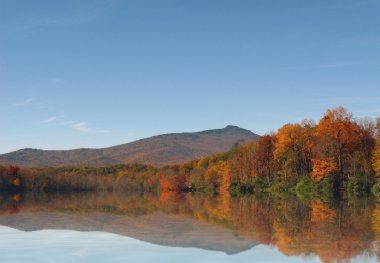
column 157, row 150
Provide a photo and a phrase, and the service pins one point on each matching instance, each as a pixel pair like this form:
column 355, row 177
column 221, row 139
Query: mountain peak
column 233, row 127
column 237, row 128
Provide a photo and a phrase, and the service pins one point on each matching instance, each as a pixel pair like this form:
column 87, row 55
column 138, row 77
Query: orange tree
column 338, row 139
column 294, row 149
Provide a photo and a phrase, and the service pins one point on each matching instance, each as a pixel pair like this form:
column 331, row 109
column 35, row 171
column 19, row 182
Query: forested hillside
column 157, row 150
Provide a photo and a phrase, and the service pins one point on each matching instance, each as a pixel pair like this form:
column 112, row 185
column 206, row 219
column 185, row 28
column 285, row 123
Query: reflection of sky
column 73, row 246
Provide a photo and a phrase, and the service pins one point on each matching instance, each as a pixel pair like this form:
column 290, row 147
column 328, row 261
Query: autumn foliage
column 323, row 168
column 339, row 149
column 376, row 152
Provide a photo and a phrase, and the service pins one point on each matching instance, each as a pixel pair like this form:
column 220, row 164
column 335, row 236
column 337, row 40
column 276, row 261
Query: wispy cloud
column 66, row 14
column 84, row 128
column 23, row 103
column 52, row 119
column 65, row 123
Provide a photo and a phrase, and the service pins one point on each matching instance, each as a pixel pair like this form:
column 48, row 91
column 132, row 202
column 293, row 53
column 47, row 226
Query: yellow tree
column 376, row 158
column 294, row 149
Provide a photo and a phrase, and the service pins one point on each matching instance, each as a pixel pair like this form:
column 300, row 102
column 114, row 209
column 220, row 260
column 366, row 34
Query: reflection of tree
column 10, row 204
column 171, row 202
column 376, row 226
column 334, row 232
column 348, row 235
column 321, row 212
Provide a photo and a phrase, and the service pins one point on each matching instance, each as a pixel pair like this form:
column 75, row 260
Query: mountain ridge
column 156, row 150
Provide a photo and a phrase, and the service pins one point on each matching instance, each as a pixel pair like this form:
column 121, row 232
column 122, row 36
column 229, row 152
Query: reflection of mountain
column 135, row 217
column 157, row 228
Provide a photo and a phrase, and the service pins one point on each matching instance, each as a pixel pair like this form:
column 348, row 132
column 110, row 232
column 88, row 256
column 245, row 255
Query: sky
column 97, row 73
column 95, row 246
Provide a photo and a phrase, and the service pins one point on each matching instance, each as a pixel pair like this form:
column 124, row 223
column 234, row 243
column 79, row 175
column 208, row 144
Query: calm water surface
column 114, row 227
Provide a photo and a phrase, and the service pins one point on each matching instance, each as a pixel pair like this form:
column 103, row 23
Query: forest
column 337, row 154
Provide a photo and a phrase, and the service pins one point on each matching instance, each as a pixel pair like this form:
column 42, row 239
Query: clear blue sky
column 100, row 73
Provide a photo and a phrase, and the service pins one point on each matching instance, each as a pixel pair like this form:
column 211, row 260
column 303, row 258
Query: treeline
column 130, row 177
column 337, row 154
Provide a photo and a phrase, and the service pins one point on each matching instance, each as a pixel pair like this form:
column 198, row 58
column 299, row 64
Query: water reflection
column 330, row 230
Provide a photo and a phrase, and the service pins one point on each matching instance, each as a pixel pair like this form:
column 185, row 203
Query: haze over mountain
column 157, row 150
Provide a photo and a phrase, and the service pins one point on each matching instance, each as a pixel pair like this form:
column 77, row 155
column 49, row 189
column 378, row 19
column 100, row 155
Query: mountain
column 157, row 150
column 174, row 222
column 157, row 228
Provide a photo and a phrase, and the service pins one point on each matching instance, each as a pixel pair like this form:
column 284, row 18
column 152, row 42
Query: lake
column 187, row 227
